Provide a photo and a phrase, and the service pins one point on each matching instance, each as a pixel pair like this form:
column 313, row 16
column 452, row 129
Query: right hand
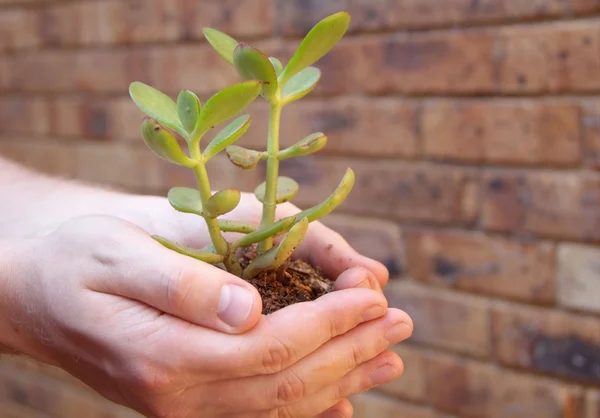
column 170, row 336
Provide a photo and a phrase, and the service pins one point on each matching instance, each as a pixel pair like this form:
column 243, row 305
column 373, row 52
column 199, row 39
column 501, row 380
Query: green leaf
column 157, row 105
column 309, row 145
column 188, row 108
column 277, row 65
column 202, row 255
column 251, row 64
column 227, row 103
column 318, row 42
column 242, row 157
column 221, row 42
column 227, row 136
column 276, row 229
column 163, row 143
column 287, row 189
column 336, row 199
column 300, row 85
column 222, row 202
column 276, row 256
column 185, row 199
column 235, row 226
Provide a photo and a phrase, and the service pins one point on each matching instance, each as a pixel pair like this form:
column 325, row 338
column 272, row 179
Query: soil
column 294, row 282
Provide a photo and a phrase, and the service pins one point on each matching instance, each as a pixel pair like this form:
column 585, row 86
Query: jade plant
column 187, row 121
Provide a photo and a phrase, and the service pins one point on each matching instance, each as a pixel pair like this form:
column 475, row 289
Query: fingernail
column 384, row 374
column 235, row 305
column 397, row 333
column 373, row 313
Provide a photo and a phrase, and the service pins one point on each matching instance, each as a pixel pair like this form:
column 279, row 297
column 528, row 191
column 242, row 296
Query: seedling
column 187, row 118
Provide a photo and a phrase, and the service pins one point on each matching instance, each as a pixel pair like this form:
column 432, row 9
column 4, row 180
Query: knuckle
column 147, row 378
column 290, row 389
column 277, row 355
column 282, row 412
column 178, row 286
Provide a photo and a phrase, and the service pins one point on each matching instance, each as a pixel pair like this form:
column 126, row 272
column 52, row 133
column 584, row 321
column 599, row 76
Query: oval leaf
column 318, row 42
column 336, row 199
column 277, row 65
column 185, row 199
column 227, row 136
column 251, row 64
column 227, row 103
column 309, row 145
column 287, row 189
column 276, row 256
column 163, row 143
column 157, row 105
column 242, row 157
column 221, row 42
column 188, row 108
column 222, row 202
column 236, row 226
column 202, row 255
column 300, row 85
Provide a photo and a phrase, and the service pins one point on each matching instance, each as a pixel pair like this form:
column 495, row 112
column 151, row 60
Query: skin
column 85, row 288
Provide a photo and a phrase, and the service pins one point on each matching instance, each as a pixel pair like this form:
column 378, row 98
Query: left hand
column 322, row 247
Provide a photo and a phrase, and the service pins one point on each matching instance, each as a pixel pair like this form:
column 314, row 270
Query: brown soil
column 296, row 281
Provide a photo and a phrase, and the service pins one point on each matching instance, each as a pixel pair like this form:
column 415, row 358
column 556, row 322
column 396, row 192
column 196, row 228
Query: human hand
column 152, row 330
column 321, row 246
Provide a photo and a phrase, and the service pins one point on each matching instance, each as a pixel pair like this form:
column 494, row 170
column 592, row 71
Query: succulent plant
column 187, row 118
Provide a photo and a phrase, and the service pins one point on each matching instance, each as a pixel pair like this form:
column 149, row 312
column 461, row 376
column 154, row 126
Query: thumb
column 189, row 289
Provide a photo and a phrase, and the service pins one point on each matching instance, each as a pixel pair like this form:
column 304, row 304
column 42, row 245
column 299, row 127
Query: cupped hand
column 322, row 246
column 170, row 336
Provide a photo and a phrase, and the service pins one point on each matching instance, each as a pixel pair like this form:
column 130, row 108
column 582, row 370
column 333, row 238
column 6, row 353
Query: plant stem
column 270, row 204
column 205, row 193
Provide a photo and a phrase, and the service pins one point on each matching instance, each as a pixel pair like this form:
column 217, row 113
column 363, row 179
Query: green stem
column 270, row 204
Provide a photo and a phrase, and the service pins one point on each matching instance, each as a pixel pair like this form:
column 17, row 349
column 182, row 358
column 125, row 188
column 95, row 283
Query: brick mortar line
column 333, row 155
column 483, row 96
column 452, row 28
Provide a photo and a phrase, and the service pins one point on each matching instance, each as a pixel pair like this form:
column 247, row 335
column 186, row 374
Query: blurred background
column 473, row 127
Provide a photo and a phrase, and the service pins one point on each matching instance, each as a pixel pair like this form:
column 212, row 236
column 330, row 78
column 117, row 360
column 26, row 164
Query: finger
column 342, row 409
column 325, row 248
column 357, row 277
column 279, row 340
column 380, row 370
column 318, row 370
column 181, row 286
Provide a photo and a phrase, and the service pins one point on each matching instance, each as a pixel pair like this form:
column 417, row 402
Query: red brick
column 297, row 17
column 545, row 341
column 591, row 132
column 430, row 62
column 81, row 117
column 60, row 24
column 370, row 405
column 592, row 404
column 477, row 263
column 47, row 155
column 15, row 30
column 406, row 191
column 48, row 71
column 131, row 166
column 412, row 385
column 557, row 57
column 444, row 319
column 585, row 6
column 36, row 391
column 380, row 240
column 579, row 277
column 506, row 132
column 546, row 203
column 475, row 390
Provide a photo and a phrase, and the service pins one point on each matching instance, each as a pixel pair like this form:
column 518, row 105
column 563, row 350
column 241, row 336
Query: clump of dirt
column 294, row 282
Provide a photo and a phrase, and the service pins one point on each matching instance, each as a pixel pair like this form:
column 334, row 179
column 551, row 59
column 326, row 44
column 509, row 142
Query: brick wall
column 474, row 130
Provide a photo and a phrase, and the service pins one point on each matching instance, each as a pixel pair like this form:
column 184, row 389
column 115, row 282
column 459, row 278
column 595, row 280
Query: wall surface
column 474, row 130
